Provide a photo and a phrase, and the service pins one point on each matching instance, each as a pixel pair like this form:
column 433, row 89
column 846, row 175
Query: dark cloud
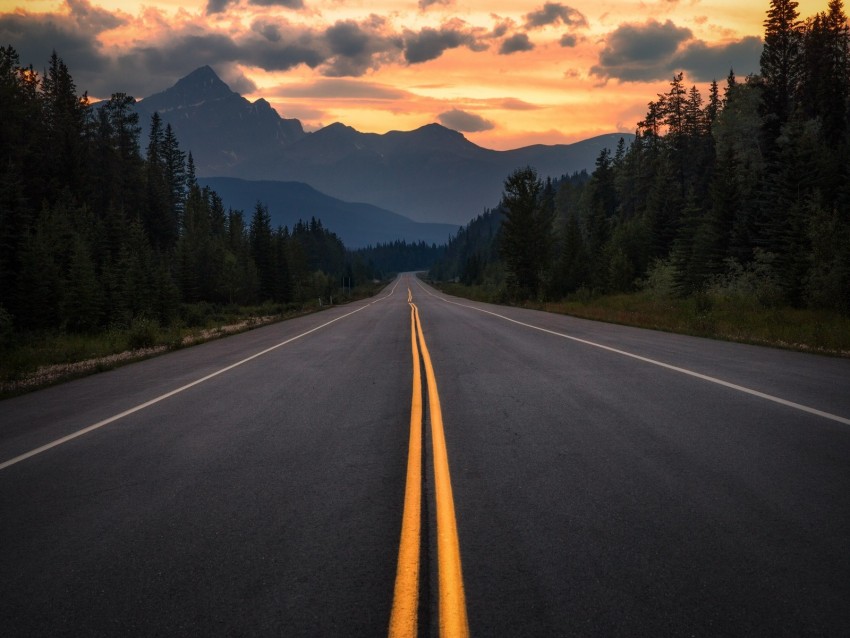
column 337, row 88
column 502, row 27
column 703, row 62
column 93, row 19
column 640, row 52
column 568, row 40
column 424, row 4
column 466, row 122
column 516, row 43
column 268, row 30
column 236, row 80
column 289, row 4
column 429, row 43
column 653, row 51
column 354, row 48
column 72, row 35
column 552, row 13
column 513, row 104
column 218, row 6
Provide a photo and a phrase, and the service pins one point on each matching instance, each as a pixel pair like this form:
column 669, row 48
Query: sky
column 506, row 73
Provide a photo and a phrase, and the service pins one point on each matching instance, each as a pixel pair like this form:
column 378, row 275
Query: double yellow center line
column 452, row 601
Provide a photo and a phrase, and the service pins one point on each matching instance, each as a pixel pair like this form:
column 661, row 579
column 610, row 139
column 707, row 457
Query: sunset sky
column 505, row 72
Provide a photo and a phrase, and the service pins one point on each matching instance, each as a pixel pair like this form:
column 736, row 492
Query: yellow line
column 403, row 620
column 452, row 605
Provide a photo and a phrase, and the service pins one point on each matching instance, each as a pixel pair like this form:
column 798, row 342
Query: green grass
column 714, row 316
column 33, row 360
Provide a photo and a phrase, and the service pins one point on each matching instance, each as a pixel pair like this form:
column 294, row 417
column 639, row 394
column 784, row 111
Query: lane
column 36, row 419
column 601, row 496
column 594, row 494
column 265, row 501
column 791, row 375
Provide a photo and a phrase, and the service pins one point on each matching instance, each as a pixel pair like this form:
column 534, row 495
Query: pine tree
column 781, row 64
column 526, row 231
column 262, row 251
column 175, row 177
column 155, row 213
column 65, row 114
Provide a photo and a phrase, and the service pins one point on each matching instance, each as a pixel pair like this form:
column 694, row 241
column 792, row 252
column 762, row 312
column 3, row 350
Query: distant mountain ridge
column 431, row 174
column 358, row 225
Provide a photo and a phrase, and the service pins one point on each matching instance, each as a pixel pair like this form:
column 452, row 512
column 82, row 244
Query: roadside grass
column 724, row 317
column 34, row 360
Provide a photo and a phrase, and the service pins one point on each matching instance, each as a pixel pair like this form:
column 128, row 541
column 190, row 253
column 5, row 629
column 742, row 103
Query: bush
column 660, row 280
column 755, row 283
column 144, row 333
column 7, row 328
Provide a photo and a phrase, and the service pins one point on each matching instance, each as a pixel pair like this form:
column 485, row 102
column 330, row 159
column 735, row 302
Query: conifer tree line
column 747, row 187
column 96, row 231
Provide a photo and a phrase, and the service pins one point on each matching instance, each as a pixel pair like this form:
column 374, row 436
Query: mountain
column 358, row 225
column 219, row 126
column 431, row 174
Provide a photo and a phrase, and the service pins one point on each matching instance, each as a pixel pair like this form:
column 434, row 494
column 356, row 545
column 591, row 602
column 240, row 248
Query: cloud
column 513, row 104
column 268, row 30
column 338, row 88
column 424, row 4
column 357, row 47
column 93, row 19
column 704, row 62
column 653, row 51
column 502, row 27
column 429, row 43
column 516, row 43
column 640, row 52
column 218, row 6
column 236, row 80
column 568, row 40
column 552, row 13
column 289, row 4
column 465, row 122
column 72, row 34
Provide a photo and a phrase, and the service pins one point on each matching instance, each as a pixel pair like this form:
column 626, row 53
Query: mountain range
column 357, row 224
column 432, row 174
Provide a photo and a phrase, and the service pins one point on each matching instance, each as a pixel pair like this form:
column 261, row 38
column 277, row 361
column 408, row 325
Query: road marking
column 452, row 600
column 403, row 620
column 147, row 404
column 690, row 373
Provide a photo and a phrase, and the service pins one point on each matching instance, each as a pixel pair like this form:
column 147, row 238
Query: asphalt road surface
column 604, row 481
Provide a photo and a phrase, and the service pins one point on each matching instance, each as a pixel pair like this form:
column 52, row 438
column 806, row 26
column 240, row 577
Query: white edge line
column 147, row 404
column 691, row 373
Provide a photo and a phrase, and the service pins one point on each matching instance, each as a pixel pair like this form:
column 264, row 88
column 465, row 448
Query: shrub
column 144, row 333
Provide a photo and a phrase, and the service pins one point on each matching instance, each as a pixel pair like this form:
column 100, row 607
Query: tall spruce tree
column 526, row 237
column 781, row 65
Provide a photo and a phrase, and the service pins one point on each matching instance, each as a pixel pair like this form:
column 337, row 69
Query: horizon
column 505, row 75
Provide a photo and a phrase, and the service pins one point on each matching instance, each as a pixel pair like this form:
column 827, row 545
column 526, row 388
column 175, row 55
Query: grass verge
column 31, row 361
column 726, row 318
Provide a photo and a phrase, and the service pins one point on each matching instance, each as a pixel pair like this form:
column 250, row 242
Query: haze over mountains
column 431, row 174
column 357, row 224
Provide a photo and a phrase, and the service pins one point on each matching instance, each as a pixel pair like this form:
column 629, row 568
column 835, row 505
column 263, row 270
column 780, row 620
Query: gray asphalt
column 596, row 494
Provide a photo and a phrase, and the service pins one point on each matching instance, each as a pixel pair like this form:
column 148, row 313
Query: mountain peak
column 202, row 84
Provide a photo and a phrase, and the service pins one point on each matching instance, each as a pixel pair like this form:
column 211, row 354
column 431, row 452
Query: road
column 603, row 481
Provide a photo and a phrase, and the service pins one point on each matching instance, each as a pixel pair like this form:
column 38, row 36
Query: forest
column 745, row 191
column 99, row 234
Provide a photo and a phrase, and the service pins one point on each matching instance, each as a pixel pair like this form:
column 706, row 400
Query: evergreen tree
column 526, row 238
column 65, row 115
column 781, row 64
column 262, row 251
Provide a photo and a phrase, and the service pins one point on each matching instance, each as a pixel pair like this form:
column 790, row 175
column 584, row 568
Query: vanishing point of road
column 418, row 464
